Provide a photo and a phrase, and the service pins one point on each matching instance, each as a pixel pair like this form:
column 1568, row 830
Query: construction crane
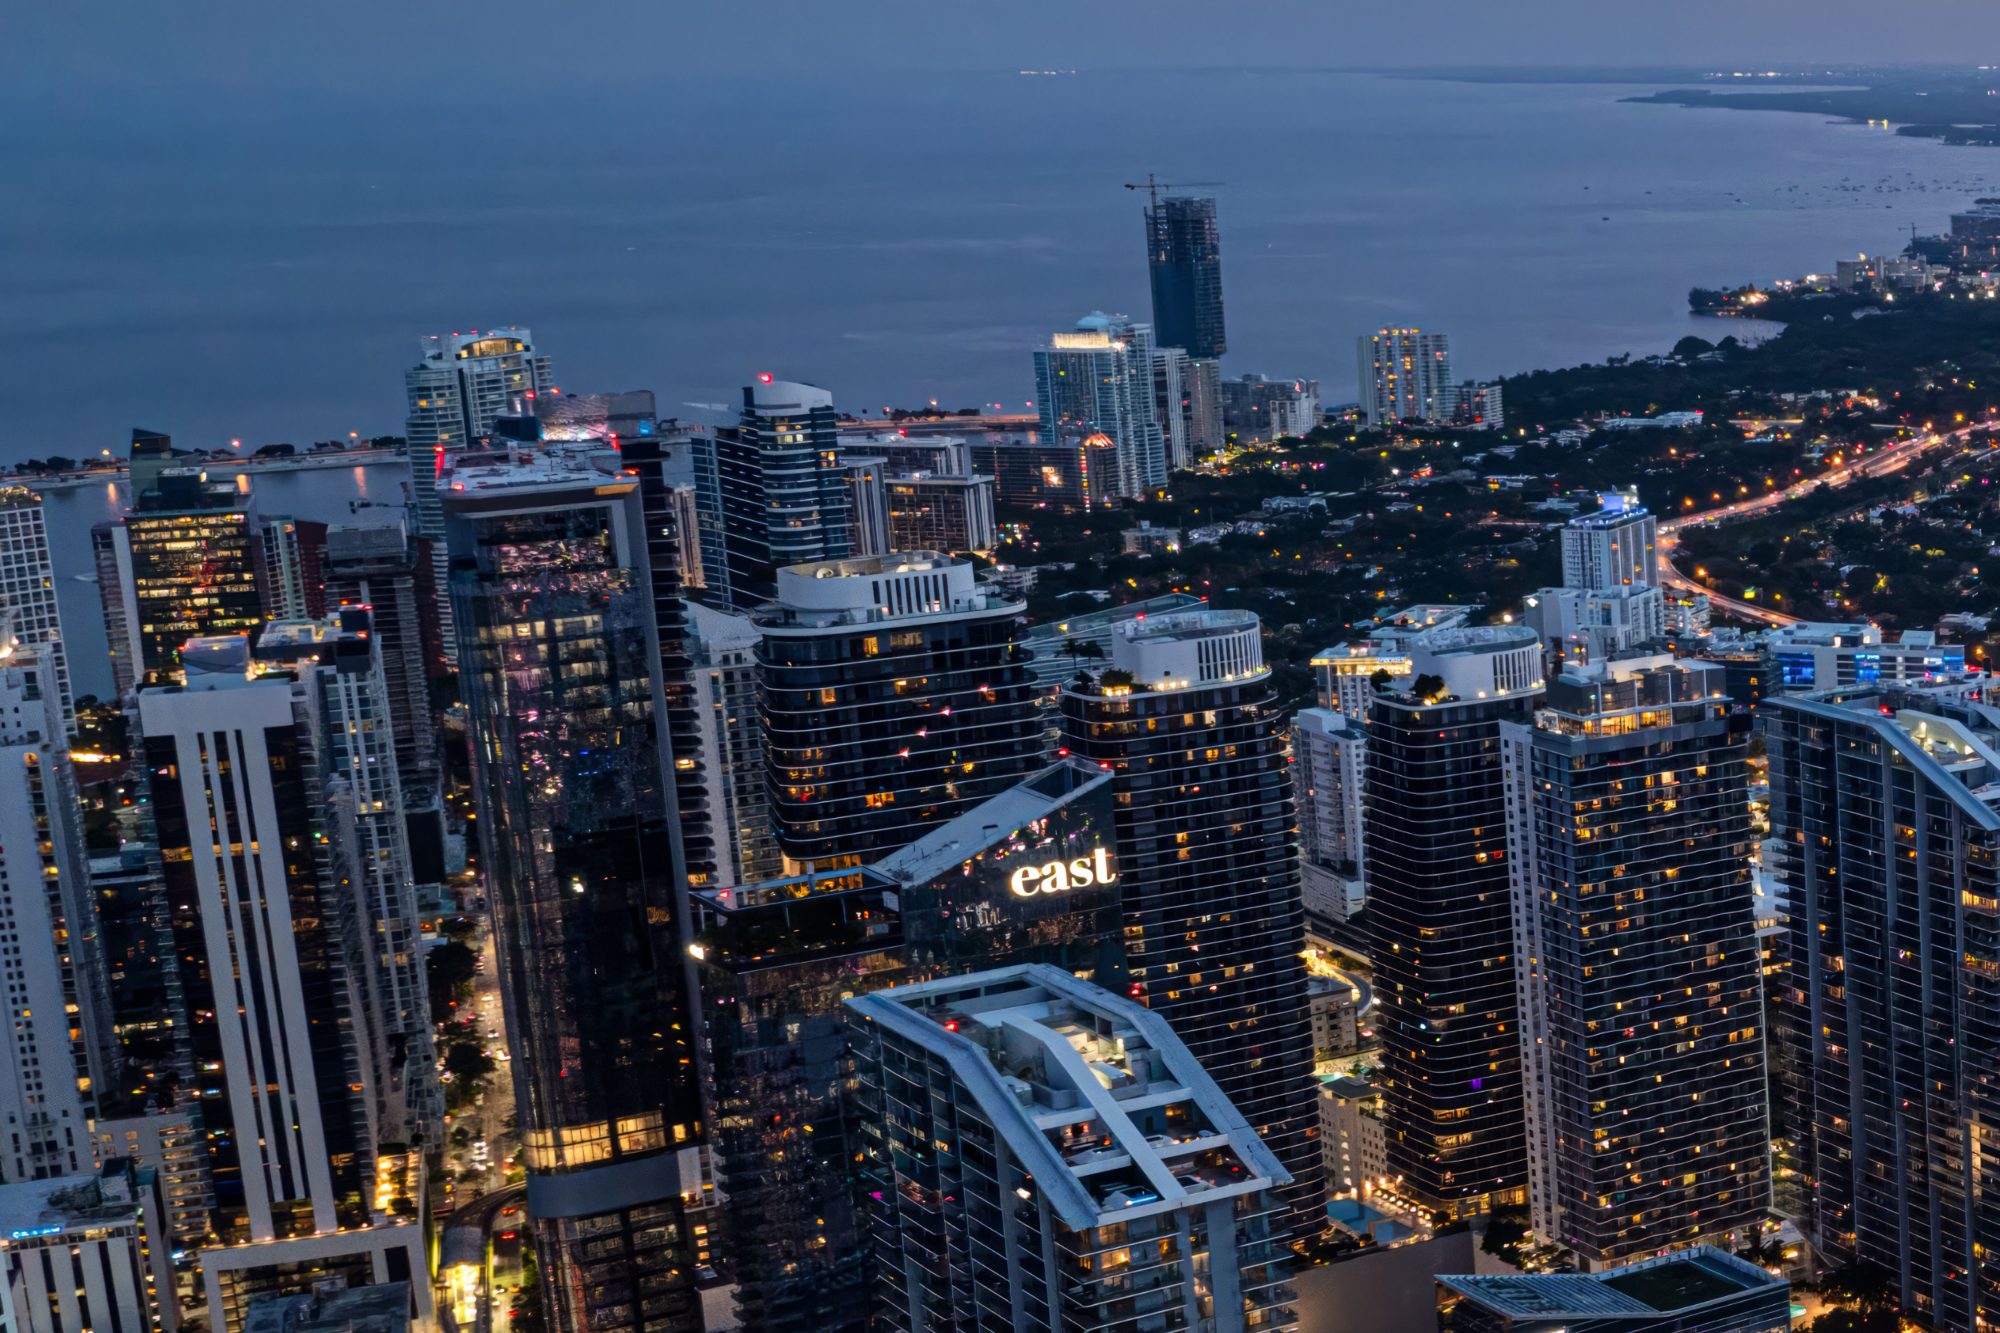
column 1153, row 187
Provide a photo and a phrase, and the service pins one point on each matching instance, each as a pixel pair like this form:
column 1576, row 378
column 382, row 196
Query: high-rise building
column 929, row 512
column 184, row 564
column 777, row 958
column 1405, row 375
column 1204, row 407
column 1097, row 379
column 381, row 568
column 86, row 1250
column 1597, row 624
column 773, row 491
column 267, row 937
column 730, row 730
column 1441, row 931
column 868, row 496
column 1071, row 475
column 1616, row 547
column 894, row 699
column 55, row 1034
column 1702, row 1290
column 1184, row 259
column 28, row 586
column 384, row 569
column 1636, row 961
column 292, row 574
column 1255, row 408
column 663, row 461
column 1886, row 850
column 1330, row 757
column 347, row 713
column 1187, row 720
column 460, row 385
column 1171, row 370
column 1041, row 1153
column 1478, row 405
column 559, row 659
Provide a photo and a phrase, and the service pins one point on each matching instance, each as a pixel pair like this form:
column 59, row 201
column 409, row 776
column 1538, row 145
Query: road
column 474, row 1299
column 1892, row 458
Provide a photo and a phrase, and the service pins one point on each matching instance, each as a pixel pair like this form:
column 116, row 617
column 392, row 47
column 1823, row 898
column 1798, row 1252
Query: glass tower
column 1184, row 256
column 559, row 659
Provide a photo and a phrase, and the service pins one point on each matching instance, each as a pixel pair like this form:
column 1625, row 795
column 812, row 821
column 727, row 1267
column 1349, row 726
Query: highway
column 1892, row 458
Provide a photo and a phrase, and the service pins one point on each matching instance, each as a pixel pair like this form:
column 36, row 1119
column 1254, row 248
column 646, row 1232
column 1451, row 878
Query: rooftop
column 34, row 1208
column 553, row 467
column 383, row 1307
column 1678, row 1283
column 1097, row 1098
column 991, row 822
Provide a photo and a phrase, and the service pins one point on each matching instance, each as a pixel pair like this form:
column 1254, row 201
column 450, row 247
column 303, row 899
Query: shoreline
column 70, row 481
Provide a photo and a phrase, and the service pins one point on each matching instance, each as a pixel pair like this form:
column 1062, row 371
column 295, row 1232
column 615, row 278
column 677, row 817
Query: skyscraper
column 1098, row 379
column 28, row 586
column 1637, row 965
column 730, row 744
column 894, row 698
column 662, row 461
column 1440, row 923
column 559, row 659
column 267, row 939
column 1404, row 374
column 1173, row 404
column 773, row 491
column 1186, row 719
column 292, row 577
column 347, row 714
column 1041, row 1153
column 382, row 568
column 1184, row 258
column 55, row 1036
column 778, row 958
column 459, row 386
column 1886, row 847
column 183, row 564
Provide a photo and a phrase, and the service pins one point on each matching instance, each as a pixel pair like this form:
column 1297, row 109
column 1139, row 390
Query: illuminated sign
column 1062, row 876
column 29, row 1233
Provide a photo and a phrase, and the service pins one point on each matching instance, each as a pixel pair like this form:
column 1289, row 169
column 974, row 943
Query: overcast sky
column 452, row 45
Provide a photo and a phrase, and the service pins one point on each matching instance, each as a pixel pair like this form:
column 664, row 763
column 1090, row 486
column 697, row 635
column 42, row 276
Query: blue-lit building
column 1818, row 655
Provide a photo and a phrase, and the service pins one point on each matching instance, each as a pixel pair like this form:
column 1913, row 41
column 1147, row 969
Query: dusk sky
column 246, row 45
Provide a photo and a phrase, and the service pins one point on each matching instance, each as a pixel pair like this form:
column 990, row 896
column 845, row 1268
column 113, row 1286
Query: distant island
column 1954, row 108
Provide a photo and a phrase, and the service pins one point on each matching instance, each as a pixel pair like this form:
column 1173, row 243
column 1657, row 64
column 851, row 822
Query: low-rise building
column 1699, row 1290
column 1823, row 655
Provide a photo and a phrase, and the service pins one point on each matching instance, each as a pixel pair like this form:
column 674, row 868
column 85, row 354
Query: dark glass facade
column 779, row 958
column 1184, row 256
column 557, row 653
column 1886, row 843
column 1442, row 943
column 1214, row 922
column 648, row 457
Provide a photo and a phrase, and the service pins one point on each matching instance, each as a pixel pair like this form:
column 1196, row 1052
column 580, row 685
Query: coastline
column 69, row 481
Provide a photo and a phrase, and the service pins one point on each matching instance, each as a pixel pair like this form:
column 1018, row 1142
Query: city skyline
column 688, row 837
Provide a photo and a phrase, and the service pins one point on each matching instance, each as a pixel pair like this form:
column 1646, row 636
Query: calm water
column 262, row 271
